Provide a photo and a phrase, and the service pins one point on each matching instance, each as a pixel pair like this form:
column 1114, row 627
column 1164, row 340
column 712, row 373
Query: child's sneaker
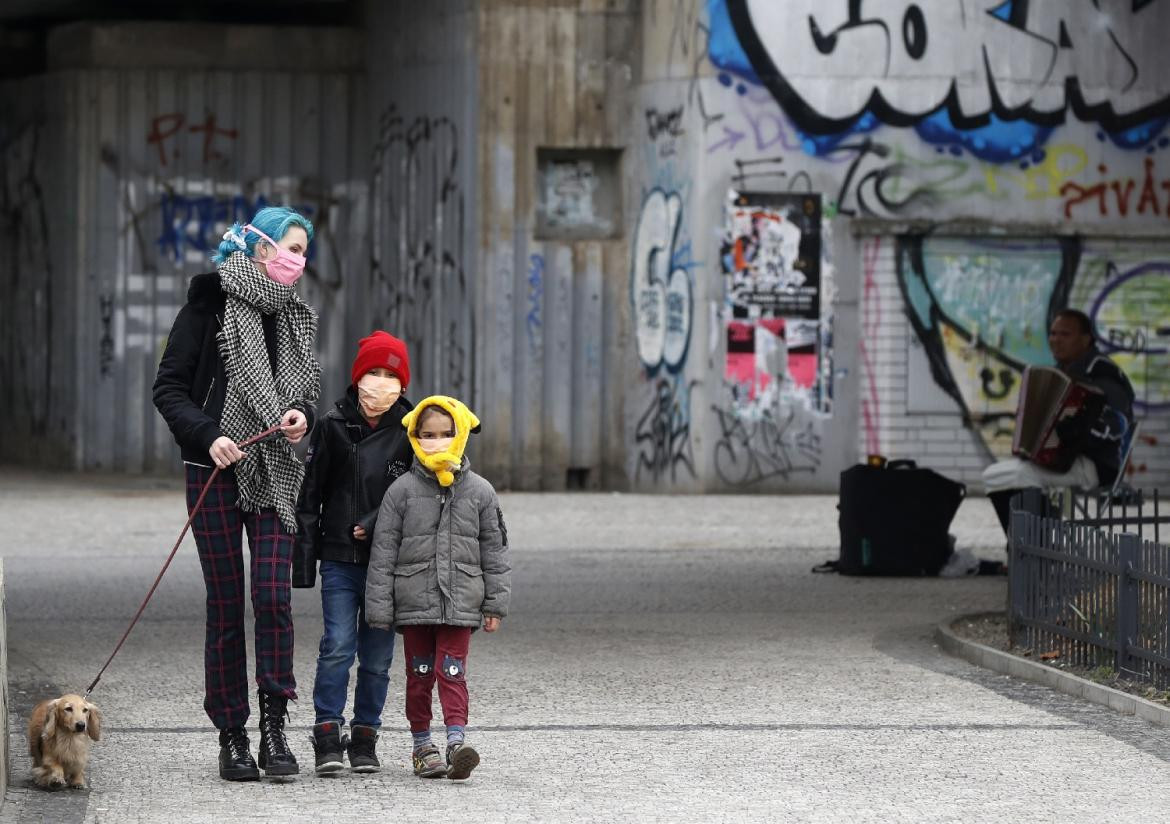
column 361, row 746
column 328, row 747
column 461, row 760
column 428, row 763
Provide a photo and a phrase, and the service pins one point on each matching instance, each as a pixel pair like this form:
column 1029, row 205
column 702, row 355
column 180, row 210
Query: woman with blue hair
column 239, row 360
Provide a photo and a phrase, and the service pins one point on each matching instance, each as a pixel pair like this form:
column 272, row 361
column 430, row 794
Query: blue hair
column 273, row 221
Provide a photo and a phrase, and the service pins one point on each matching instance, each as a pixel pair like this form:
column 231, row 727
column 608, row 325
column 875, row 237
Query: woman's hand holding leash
column 294, row 424
column 225, row 452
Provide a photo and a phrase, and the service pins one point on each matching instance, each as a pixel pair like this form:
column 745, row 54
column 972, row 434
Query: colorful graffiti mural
column 1126, row 292
column 1001, row 72
column 981, row 308
column 916, row 108
column 955, row 112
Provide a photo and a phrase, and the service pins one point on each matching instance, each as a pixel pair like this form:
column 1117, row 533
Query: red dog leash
column 272, row 430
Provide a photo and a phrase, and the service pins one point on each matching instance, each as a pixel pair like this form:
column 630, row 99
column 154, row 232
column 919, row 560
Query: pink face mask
column 286, row 268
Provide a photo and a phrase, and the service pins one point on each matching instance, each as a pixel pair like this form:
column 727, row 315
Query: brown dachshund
column 59, row 733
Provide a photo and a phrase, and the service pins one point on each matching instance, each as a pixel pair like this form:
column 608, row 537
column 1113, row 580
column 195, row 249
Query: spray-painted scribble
column 26, row 367
column 769, row 443
column 106, row 343
column 662, row 435
column 532, row 322
column 418, row 274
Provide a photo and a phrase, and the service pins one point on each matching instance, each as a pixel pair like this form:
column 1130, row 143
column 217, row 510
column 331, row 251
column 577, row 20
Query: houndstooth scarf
column 271, row 475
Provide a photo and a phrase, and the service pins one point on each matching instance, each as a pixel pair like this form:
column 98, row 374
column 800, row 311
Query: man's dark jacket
column 190, row 387
column 1100, row 437
column 349, row 468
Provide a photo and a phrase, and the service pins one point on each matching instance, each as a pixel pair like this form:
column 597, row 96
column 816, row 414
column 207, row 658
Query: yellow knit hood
column 443, row 464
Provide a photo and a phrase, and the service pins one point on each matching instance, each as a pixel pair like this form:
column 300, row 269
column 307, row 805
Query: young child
column 438, row 569
column 356, row 452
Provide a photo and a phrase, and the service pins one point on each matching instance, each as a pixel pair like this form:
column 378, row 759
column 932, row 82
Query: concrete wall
column 555, row 81
column 421, row 283
column 974, row 172
column 118, row 182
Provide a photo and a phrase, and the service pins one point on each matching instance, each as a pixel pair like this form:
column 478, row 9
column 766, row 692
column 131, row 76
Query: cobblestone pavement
column 668, row 659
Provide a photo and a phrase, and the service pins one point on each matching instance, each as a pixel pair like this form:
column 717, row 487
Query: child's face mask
column 433, row 446
column 377, row 394
column 286, row 268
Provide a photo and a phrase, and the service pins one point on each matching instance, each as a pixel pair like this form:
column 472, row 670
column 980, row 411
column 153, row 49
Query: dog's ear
column 93, row 724
column 50, row 727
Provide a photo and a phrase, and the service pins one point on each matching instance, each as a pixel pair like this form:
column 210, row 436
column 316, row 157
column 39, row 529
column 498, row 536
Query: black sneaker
column 235, row 760
column 328, row 748
column 461, row 760
column 361, row 746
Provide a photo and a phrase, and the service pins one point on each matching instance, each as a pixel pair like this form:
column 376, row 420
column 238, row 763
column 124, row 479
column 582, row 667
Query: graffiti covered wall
column 135, row 174
column 919, row 128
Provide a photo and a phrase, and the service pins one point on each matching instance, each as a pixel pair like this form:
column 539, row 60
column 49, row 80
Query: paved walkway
column 669, row 659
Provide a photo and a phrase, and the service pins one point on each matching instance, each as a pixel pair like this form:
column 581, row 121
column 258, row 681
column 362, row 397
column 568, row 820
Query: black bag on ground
column 894, row 519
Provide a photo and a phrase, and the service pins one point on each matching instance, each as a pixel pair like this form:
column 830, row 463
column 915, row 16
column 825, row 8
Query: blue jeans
column 347, row 635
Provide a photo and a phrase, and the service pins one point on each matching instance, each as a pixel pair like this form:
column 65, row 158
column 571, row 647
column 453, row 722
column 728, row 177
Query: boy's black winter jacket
column 348, row 470
column 189, row 388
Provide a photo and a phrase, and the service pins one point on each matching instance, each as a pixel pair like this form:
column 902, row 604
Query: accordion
column 1048, row 396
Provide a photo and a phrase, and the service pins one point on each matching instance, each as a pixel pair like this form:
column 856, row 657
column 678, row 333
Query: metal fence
column 1129, row 510
column 1085, row 593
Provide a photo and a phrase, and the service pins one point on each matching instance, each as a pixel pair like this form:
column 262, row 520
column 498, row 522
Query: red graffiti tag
column 1118, row 194
column 166, row 126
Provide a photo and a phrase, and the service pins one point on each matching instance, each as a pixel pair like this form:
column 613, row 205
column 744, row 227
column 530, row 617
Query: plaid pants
column 218, row 537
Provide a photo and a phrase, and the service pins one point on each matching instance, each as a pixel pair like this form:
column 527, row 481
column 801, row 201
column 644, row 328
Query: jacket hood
column 443, row 464
column 205, row 291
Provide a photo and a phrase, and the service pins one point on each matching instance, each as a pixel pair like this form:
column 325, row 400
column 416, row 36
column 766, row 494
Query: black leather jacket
column 348, row 470
column 1100, row 435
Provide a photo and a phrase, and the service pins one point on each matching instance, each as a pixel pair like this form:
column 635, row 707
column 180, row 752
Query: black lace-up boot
column 235, row 760
column 275, row 756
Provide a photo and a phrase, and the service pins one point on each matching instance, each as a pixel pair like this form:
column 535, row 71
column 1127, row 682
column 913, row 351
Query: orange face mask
column 376, row 395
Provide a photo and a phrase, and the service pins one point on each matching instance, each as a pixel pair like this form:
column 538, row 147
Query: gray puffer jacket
column 439, row 556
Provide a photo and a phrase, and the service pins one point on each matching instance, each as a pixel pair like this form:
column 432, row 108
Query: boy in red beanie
column 357, row 450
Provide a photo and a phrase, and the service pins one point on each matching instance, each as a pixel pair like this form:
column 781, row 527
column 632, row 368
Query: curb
column 1004, row 662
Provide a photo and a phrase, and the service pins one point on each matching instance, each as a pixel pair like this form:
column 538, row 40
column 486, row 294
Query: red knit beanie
column 383, row 350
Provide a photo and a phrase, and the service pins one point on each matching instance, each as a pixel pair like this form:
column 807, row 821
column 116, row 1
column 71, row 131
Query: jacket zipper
column 353, row 499
column 211, row 388
column 450, row 559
